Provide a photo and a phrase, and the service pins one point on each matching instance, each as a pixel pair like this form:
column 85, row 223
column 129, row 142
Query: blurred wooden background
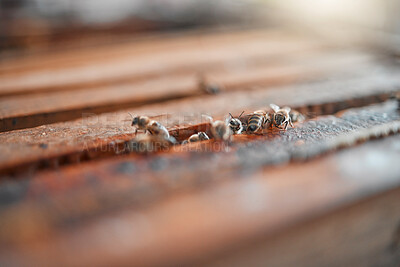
column 324, row 193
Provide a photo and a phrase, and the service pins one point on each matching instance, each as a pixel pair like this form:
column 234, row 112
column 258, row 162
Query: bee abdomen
column 158, row 130
column 255, row 122
column 256, row 118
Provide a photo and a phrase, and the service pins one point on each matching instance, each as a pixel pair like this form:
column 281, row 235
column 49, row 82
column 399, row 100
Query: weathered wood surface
column 139, row 75
column 151, row 59
column 246, row 154
column 360, row 235
column 33, row 110
column 64, row 139
column 190, row 226
column 97, row 54
column 70, row 193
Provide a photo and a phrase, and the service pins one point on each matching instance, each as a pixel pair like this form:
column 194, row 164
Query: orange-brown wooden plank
column 146, row 44
column 197, row 57
column 26, row 146
column 202, row 223
column 218, row 204
column 183, row 167
column 22, row 112
column 363, row 234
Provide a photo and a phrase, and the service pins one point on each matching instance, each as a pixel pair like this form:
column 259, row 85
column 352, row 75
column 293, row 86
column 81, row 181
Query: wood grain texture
column 145, row 44
column 194, row 225
column 246, row 154
column 25, row 146
column 151, row 59
column 324, row 193
column 33, row 110
column 363, row 234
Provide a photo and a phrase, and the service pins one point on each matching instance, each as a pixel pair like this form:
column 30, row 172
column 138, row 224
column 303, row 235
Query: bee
column 281, row 116
column 235, row 124
column 200, row 136
column 151, row 126
column 258, row 121
column 221, row 131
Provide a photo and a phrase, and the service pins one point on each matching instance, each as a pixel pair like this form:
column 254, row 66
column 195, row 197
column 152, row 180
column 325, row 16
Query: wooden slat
column 24, row 146
column 204, row 223
column 70, row 193
column 363, row 234
column 29, row 111
column 196, row 57
column 247, row 154
column 142, row 45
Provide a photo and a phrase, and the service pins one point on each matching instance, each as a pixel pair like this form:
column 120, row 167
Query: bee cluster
column 253, row 123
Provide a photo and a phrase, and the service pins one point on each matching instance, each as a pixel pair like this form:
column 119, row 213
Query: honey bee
column 235, row 124
column 281, row 116
column 151, row 126
column 258, row 121
column 221, row 131
column 200, row 136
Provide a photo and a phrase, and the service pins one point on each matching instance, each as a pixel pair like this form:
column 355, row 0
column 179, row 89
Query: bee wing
column 172, row 140
column 287, row 109
column 151, row 117
column 207, row 117
column 228, row 119
column 260, row 111
column 274, row 107
column 159, row 116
